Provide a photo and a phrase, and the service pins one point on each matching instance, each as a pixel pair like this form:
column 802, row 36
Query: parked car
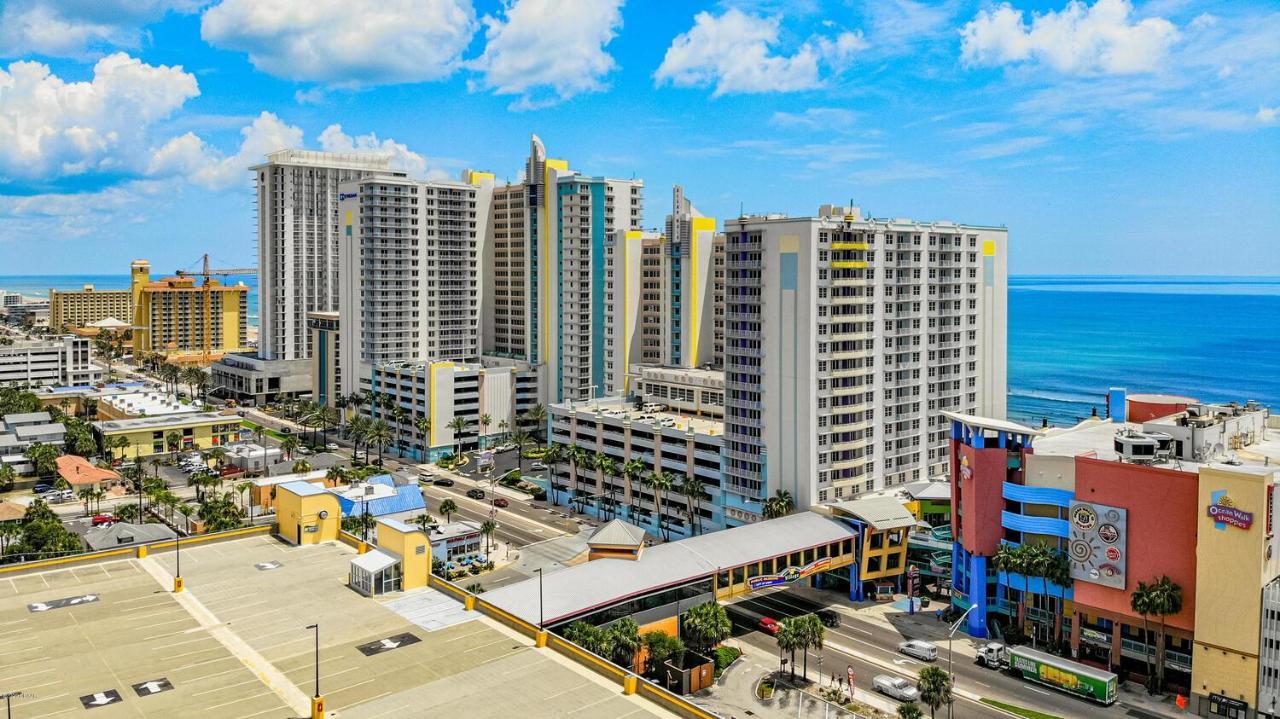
column 442, row 482
column 332, row 446
column 501, row 502
column 59, row 496
column 101, row 519
column 768, row 625
column 920, row 649
column 828, row 617
column 895, row 687
column 538, row 466
column 42, row 487
column 504, row 448
column 475, row 493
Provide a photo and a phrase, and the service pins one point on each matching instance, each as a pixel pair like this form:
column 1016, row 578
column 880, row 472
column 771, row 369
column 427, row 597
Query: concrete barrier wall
column 132, row 550
column 673, row 702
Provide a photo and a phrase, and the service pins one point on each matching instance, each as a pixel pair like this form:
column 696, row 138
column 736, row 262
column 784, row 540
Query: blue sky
column 1109, row 136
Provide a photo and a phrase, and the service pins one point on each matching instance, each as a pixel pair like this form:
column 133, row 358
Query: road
column 518, row 524
column 855, row 642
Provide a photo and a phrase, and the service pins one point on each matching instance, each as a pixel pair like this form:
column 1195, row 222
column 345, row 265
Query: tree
column 423, row 425
column 173, row 441
column 289, row 445
column 400, row 418
column 1058, row 572
column 337, row 475
column 537, row 416
column 44, row 457
column 520, row 439
column 448, row 508
column 779, row 505
column 812, row 635
column 590, row 637
column 1164, row 599
column 484, row 422
column 935, row 688
column 218, row 455
column 1011, row 559
column 458, row 425
column 86, row 495
column 89, row 408
column 624, row 642
column 608, row 467
column 790, row 637
column 301, row 466
column 79, row 439
column 660, row 481
column 379, row 434
column 910, row 710
column 706, row 625
column 503, row 425
column 692, row 490
column 554, row 456
column 578, row 458
column 631, row 470
column 660, row 648
column 487, row 529
column 425, row 522
column 8, row 475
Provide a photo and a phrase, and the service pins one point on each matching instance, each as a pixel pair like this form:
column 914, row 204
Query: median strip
column 1017, row 710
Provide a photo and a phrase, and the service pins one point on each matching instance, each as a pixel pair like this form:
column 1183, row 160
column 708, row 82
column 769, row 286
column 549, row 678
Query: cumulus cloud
column 53, row 128
column 345, row 42
column 1078, row 40
column 72, row 28
column 190, row 156
column 333, row 139
column 736, row 53
column 1268, row 115
column 547, row 51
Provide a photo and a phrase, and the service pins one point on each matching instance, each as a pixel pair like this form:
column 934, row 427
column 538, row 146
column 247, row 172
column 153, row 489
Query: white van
column 920, row 649
column 653, row 407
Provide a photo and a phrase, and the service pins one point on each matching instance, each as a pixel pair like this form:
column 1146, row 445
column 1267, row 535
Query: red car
column 500, row 502
column 101, row 519
column 769, row 625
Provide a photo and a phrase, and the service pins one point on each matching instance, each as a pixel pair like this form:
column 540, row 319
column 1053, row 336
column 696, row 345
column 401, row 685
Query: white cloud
column 75, row 215
column 736, row 53
column 345, row 42
column 1078, row 40
column 1005, row 148
column 192, row 157
column 52, row 128
column 333, row 139
column 815, row 118
column 896, row 22
column 547, row 51
column 72, row 28
column 1268, row 115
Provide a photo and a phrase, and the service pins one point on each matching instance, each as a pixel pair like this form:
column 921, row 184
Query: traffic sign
column 152, row 686
column 60, row 603
column 100, row 699
column 386, row 645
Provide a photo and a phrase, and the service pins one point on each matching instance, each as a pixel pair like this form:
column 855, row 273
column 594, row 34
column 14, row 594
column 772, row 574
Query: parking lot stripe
column 351, row 686
column 482, row 646
column 171, row 645
column 237, row 701
column 16, row 621
column 42, row 699
column 145, row 606
column 224, row 688
column 54, row 714
column 200, row 664
column 264, row 711
column 25, row 649
column 193, row 651
column 28, row 674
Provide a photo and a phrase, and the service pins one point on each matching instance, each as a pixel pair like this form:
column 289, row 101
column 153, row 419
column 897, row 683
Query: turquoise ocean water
column 1072, row 337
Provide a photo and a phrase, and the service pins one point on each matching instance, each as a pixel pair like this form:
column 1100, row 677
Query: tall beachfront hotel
column 845, row 339
column 548, row 258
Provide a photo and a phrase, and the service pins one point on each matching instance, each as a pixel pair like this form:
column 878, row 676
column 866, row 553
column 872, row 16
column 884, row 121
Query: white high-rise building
column 409, row 273
column 548, row 294
column 299, row 242
column 845, row 338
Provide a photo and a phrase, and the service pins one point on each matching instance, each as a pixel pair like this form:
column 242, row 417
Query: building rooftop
column 574, row 590
column 303, row 489
column 312, row 476
column 34, row 431
column 162, row 421
column 620, row 408
column 123, row 533
column 998, row 425
column 1097, row 438
column 617, row 533
column 147, row 403
column 879, row 512
column 387, row 497
column 20, row 418
column 79, row 472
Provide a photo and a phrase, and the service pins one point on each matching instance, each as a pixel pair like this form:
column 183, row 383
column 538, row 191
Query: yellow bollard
column 469, row 602
column 630, row 683
column 317, row 707
column 540, row 639
column 177, row 585
column 142, row 551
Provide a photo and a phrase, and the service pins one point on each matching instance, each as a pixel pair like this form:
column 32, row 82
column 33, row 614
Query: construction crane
column 207, row 273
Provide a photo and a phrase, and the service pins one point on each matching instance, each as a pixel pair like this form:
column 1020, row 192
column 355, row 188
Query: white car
column 331, row 446
column 537, row 466
column 920, row 649
column 896, row 687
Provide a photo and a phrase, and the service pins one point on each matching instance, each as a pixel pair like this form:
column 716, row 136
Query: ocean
column 1073, row 337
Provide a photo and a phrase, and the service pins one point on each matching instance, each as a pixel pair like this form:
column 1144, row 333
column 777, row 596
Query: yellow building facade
column 1235, row 559
column 187, row 322
column 147, row 436
column 413, row 548
column 79, row 308
column 307, row 514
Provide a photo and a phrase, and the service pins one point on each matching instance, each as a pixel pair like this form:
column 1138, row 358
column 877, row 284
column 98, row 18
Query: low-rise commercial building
column 455, row 540
column 60, row 361
column 431, row 395
column 150, row 435
column 250, row 457
column 254, row 381
column 880, row 562
column 1186, row 499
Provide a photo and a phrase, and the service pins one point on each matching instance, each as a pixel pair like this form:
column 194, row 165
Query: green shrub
column 724, row 656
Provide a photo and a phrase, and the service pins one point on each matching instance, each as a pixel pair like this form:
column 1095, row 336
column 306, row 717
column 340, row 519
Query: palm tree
column 289, row 445
column 448, row 508
column 624, row 637
column 379, row 434
column 705, row 625
column 423, row 425
column 337, row 475
column 424, row 522
column 218, row 455
column 661, row 481
column 8, row 530
column 173, row 441
column 578, row 457
column 459, row 425
column 1058, row 572
column 242, row 489
column 537, row 416
column 812, row 633
column 693, row 491
column 302, row 466
column 86, row 495
column 631, row 469
column 935, row 688
column 779, row 505
column 503, row 425
column 554, row 456
column 1011, row 559
column 484, row 422
column 790, row 638
column 520, row 439
column 400, row 417
column 608, row 467
column 1165, row 601
column 910, row 710
column 487, row 529
column 7, row 477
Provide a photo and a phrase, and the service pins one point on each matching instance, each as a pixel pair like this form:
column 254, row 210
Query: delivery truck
column 1064, row 675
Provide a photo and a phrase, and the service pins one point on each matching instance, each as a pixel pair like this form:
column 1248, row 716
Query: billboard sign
column 1224, row 512
column 788, row 575
column 1098, row 546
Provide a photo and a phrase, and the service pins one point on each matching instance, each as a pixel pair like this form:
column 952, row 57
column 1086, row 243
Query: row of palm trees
column 800, row 633
column 1036, row 561
column 1161, row 598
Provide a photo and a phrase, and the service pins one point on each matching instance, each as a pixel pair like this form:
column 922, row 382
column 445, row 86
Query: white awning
column 374, row 562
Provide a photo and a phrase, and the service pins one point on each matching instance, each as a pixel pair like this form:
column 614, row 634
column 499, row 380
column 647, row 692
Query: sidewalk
column 733, row 696
column 894, row 616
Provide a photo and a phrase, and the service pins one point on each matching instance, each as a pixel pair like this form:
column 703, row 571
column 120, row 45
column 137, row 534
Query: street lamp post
column 950, row 657
column 8, row 706
column 317, row 701
column 540, row 618
column 177, row 558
